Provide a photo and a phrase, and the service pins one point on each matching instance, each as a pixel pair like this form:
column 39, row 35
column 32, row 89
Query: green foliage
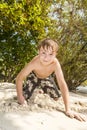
column 84, row 83
column 22, row 24
column 70, row 27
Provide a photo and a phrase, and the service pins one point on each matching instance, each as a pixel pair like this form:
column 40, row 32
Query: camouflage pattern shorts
column 32, row 82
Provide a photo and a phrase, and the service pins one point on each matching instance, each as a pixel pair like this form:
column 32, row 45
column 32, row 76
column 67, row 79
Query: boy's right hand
column 21, row 100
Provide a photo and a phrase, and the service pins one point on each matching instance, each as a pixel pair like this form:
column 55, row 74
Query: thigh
column 48, row 87
column 29, row 85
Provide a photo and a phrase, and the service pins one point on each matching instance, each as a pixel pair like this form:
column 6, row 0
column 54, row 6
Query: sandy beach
column 42, row 113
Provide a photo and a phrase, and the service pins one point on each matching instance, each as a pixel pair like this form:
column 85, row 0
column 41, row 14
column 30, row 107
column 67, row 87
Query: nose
column 46, row 58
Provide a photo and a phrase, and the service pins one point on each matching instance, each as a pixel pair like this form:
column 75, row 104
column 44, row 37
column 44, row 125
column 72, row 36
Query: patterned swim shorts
column 46, row 84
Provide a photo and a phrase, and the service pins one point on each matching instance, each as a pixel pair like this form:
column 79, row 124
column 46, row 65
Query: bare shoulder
column 33, row 62
column 57, row 65
column 35, row 59
column 56, row 61
column 59, row 72
column 29, row 67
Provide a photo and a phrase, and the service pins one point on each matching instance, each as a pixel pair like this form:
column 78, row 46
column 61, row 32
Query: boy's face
column 46, row 55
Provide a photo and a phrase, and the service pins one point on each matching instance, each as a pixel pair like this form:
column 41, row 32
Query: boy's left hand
column 75, row 115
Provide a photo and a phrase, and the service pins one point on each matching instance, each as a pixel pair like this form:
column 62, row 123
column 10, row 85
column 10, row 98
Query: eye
column 51, row 54
column 43, row 52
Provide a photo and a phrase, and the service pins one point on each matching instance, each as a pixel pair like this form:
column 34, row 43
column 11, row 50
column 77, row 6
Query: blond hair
column 46, row 43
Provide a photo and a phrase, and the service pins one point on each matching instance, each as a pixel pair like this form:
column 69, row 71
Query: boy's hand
column 25, row 103
column 75, row 115
column 21, row 100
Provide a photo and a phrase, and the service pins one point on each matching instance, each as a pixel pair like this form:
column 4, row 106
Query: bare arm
column 20, row 78
column 63, row 86
column 65, row 93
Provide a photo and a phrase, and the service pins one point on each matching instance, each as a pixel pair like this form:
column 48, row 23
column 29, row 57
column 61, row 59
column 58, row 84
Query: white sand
column 41, row 114
column 46, row 120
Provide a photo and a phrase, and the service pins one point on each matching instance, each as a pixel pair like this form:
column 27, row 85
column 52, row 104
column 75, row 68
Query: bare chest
column 43, row 72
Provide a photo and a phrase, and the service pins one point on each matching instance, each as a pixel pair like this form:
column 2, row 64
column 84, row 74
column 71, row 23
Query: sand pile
column 41, row 113
column 38, row 101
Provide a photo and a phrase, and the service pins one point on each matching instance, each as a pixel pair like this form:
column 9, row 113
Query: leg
column 48, row 87
column 29, row 86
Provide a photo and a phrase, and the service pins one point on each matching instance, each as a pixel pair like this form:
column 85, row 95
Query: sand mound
column 38, row 101
column 42, row 112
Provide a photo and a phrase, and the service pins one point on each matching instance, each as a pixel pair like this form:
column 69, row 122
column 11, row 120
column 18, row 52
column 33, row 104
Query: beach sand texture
column 42, row 112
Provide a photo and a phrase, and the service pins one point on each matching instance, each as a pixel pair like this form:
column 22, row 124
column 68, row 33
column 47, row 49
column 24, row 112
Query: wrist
column 67, row 111
column 19, row 95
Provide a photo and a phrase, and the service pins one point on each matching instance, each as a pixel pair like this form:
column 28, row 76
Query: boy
column 38, row 73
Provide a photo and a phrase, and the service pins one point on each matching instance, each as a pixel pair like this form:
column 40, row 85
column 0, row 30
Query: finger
column 25, row 103
column 80, row 118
